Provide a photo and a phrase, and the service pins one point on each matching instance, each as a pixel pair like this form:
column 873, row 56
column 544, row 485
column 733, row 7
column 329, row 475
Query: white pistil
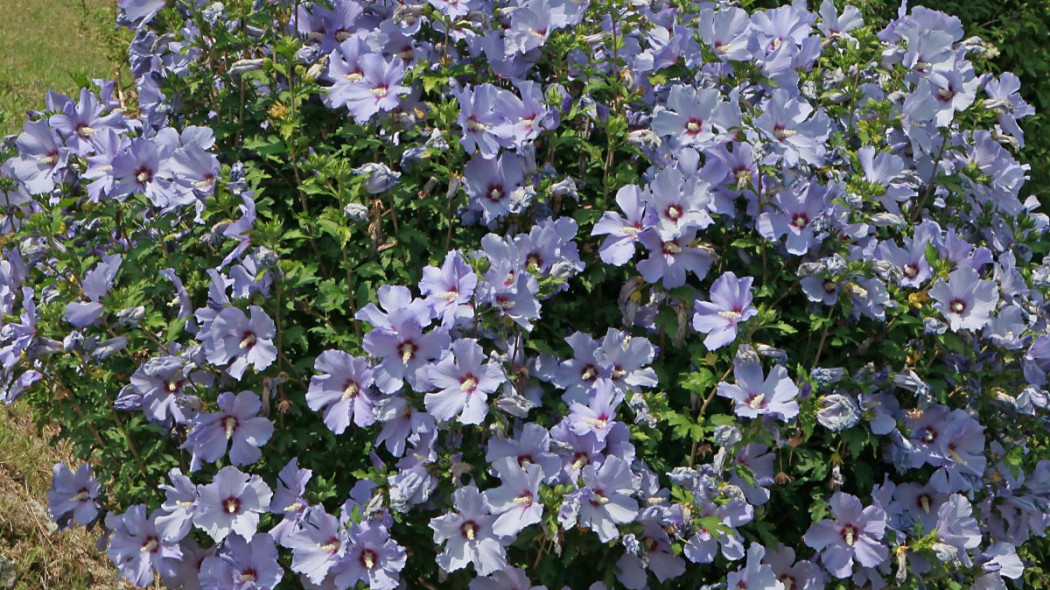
column 597, row 422
column 407, row 350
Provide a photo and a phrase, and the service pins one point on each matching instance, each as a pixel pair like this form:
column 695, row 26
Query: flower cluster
column 538, row 294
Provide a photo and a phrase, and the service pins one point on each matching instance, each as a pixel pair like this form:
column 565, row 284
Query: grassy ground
column 44, row 44
column 44, row 557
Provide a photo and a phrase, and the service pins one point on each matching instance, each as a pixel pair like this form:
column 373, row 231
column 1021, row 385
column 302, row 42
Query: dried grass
column 44, row 557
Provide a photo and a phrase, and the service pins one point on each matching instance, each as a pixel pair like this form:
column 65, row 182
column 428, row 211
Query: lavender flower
column 597, row 417
column 479, row 119
column 695, row 117
column 755, row 394
column 964, row 300
column 730, row 305
column 490, row 182
column 794, row 129
column 137, row 549
column 755, row 575
column 465, row 381
column 236, row 340
column 680, row 203
column 530, row 446
column 42, row 158
column 289, row 500
column 71, row 499
column 232, row 503
column 794, row 214
column 318, row 545
column 372, row 557
column 801, row 575
column 517, row 500
column 669, row 261
column 605, row 501
column 628, row 358
column 343, row 390
column 468, row 535
column 180, row 506
column 243, row 565
column 658, row 555
column 623, row 233
column 855, row 533
column 449, row 290
column 509, row 579
column 164, row 383
column 80, row 121
column 236, row 425
column 405, row 349
column 524, row 117
column 378, row 88
column 97, row 283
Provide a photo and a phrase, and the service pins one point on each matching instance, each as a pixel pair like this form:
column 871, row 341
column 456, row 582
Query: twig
column 703, row 408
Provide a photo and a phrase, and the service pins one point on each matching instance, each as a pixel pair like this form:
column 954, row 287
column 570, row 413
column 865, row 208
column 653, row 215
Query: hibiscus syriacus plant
column 537, row 294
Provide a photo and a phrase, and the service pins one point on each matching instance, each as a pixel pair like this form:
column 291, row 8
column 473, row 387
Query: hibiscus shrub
column 548, row 293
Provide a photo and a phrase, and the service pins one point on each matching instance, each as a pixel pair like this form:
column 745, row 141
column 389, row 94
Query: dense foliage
column 537, row 294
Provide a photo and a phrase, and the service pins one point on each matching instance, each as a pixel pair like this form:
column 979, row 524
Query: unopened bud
column 244, row 66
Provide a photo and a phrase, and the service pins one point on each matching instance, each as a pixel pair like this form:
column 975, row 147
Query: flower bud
column 244, row 66
column 356, row 212
column 644, row 139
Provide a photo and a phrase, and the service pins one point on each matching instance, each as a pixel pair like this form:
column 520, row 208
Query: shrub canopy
column 537, row 294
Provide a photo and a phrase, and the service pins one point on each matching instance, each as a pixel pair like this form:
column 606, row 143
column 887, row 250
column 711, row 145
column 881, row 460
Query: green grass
column 44, row 44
